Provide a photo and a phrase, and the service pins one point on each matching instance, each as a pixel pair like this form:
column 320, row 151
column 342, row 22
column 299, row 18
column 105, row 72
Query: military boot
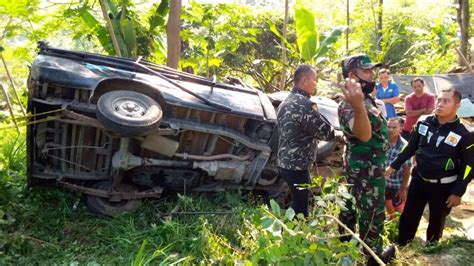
column 387, row 256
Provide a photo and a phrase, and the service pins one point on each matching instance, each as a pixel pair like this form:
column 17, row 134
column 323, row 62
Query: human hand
column 453, row 201
column 353, row 93
column 388, row 172
column 402, row 194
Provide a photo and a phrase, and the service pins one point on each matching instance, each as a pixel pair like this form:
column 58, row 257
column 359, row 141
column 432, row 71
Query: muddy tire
column 105, row 207
column 128, row 113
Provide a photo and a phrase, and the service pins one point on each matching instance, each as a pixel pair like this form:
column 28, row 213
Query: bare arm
column 392, row 100
column 406, row 176
column 362, row 128
column 429, row 111
column 417, row 112
column 402, row 192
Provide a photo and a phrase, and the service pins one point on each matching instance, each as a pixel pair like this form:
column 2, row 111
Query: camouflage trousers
column 369, row 193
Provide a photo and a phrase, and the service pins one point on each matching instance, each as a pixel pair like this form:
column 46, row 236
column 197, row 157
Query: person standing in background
column 417, row 103
column 388, row 92
column 397, row 183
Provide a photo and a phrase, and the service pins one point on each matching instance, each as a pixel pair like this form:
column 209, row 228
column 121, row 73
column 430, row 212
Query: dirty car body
column 119, row 130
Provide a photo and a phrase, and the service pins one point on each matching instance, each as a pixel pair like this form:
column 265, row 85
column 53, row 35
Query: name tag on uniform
column 423, row 129
column 452, row 139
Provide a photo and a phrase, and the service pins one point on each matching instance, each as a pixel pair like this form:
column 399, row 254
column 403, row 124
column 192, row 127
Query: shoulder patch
column 423, row 129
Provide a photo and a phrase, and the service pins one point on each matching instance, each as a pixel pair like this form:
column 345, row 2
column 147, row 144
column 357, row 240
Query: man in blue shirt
column 388, row 92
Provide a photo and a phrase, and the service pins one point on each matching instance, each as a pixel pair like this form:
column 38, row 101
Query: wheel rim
column 130, row 107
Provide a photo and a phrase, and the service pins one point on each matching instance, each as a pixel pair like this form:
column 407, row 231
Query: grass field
column 52, row 226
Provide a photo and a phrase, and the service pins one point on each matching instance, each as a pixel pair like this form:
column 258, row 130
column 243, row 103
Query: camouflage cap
column 361, row 61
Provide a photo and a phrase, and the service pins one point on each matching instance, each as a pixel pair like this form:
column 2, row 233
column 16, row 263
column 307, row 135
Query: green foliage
column 411, row 48
column 212, row 32
column 312, row 45
column 49, row 230
column 41, row 226
column 12, row 172
column 306, row 31
column 411, row 44
column 135, row 35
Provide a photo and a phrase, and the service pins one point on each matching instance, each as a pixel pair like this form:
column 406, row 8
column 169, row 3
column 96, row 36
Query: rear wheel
column 103, row 206
column 128, row 113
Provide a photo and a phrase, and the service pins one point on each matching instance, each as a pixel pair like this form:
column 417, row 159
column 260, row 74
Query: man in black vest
column 444, row 151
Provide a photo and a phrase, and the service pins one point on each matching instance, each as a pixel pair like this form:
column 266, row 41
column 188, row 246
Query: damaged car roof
column 87, row 71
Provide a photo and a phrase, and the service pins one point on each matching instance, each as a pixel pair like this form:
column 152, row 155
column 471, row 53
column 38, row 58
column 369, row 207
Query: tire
column 104, row 207
column 128, row 113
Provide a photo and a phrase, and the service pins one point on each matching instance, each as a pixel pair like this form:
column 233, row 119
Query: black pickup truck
column 120, row 130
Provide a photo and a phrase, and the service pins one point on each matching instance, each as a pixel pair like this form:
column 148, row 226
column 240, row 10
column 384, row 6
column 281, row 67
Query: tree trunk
column 379, row 26
column 348, row 17
column 110, row 28
column 172, row 32
column 463, row 21
column 283, row 45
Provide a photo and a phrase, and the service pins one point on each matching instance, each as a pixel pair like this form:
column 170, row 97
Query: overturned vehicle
column 120, row 130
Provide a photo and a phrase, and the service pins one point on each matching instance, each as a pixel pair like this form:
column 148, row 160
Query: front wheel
column 128, row 113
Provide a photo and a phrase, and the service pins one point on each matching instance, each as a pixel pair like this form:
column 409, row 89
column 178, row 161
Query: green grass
column 47, row 230
column 42, row 226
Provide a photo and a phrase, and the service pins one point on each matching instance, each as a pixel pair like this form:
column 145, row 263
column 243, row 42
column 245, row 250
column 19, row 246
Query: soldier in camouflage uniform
column 366, row 135
column 300, row 126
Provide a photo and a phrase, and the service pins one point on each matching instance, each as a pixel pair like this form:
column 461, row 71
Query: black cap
column 361, row 61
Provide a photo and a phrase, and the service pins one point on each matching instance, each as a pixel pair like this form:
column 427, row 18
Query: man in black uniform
column 444, row 151
column 300, row 126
